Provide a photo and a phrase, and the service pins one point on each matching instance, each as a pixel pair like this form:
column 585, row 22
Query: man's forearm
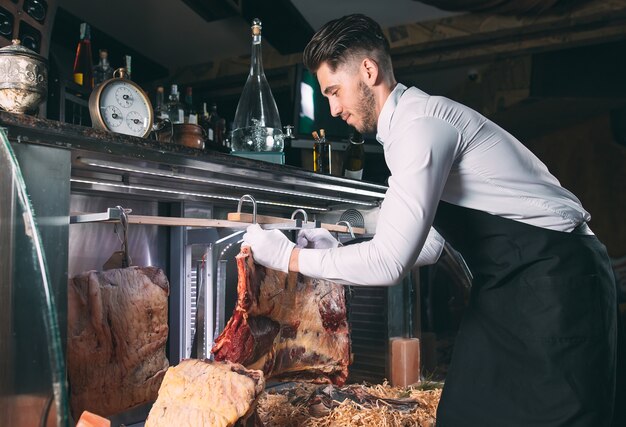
column 293, row 260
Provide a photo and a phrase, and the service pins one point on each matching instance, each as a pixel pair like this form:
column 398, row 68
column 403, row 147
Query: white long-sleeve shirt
column 437, row 149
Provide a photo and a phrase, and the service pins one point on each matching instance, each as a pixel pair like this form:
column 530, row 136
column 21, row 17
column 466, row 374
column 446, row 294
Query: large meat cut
column 117, row 330
column 205, row 393
column 289, row 326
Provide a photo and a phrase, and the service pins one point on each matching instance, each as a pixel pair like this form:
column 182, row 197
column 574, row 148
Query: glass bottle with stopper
column 127, row 65
column 322, row 153
column 102, row 70
column 257, row 126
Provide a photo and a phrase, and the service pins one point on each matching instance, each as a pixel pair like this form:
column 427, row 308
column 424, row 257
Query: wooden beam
column 475, row 38
column 469, row 38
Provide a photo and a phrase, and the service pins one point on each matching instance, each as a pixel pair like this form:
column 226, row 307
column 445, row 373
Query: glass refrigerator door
column 33, row 390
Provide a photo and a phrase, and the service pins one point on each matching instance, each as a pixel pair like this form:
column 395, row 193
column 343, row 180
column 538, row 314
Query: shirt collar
column 384, row 119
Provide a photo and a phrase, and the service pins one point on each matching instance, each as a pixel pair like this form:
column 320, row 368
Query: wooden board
column 264, row 219
column 235, row 220
column 182, row 222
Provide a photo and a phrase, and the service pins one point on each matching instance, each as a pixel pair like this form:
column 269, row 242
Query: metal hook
column 347, row 224
column 250, row 199
column 305, row 217
column 124, row 221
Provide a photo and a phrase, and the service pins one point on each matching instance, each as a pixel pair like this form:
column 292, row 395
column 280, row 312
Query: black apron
column 537, row 344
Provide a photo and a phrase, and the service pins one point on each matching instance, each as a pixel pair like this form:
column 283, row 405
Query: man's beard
column 366, row 109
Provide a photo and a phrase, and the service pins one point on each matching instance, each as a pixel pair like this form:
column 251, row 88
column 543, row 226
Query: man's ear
column 369, row 71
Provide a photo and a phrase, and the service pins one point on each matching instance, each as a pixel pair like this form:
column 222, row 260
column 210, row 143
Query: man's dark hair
column 346, row 38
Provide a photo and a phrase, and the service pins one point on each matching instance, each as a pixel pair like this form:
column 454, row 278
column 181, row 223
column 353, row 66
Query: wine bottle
column 218, row 125
column 354, row 157
column 83, row 61
column 191, row 116
column 102, row 71
column 175, row 110
column 257, row 126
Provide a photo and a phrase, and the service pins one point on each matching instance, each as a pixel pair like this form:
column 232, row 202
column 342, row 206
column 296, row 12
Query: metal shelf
column 103, row 162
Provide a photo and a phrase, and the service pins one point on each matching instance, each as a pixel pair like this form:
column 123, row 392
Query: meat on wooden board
column 205, row 393
column 289, row 326
column 117, row 330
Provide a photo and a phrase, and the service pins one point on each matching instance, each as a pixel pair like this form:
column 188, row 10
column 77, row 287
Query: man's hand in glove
column 270, row 248
column 316, row 238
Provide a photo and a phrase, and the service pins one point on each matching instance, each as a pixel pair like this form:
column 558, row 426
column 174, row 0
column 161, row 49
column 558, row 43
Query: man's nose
column 335, row 108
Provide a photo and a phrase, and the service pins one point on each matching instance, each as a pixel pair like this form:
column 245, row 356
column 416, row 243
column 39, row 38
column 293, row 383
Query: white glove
column 270, row 248
column 316, row 238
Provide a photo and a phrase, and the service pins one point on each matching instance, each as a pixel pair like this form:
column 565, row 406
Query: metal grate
column 193, row 286
column 367, row 315
column 354, row 217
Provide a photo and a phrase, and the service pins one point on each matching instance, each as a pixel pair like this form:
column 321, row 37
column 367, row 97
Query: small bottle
column 127, row 65
column 220, row 130
column 160, row 110
column 83, row 61
column 292, row 155
column 322, row 154
column 354, row 157
column 191, row 116
column 205, row 122
column 103, row 70
column 217, row 125
column 175, row 110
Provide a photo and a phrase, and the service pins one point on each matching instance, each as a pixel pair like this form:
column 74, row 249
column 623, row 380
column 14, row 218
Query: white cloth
column 438, row 149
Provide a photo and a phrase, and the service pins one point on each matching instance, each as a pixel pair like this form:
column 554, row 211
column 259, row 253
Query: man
column 537, row 346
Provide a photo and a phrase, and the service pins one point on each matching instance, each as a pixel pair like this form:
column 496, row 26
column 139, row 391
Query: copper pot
column 189, row 135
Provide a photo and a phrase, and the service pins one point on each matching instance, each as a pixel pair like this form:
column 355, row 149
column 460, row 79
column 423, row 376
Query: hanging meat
column 205, row 393
column 289, row 326
column 117, row 330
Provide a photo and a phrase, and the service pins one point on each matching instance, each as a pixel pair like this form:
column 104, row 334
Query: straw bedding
column 278, row 409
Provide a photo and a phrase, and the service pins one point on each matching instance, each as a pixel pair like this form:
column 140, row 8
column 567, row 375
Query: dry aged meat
column 290, row 326
column 117, row 329
column 205, row 393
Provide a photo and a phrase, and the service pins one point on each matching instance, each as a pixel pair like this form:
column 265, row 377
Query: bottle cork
column 404, row 359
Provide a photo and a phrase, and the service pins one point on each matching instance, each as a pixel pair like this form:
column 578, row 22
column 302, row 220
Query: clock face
column 124, row 97
column 125, row 109
column 113, row 116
